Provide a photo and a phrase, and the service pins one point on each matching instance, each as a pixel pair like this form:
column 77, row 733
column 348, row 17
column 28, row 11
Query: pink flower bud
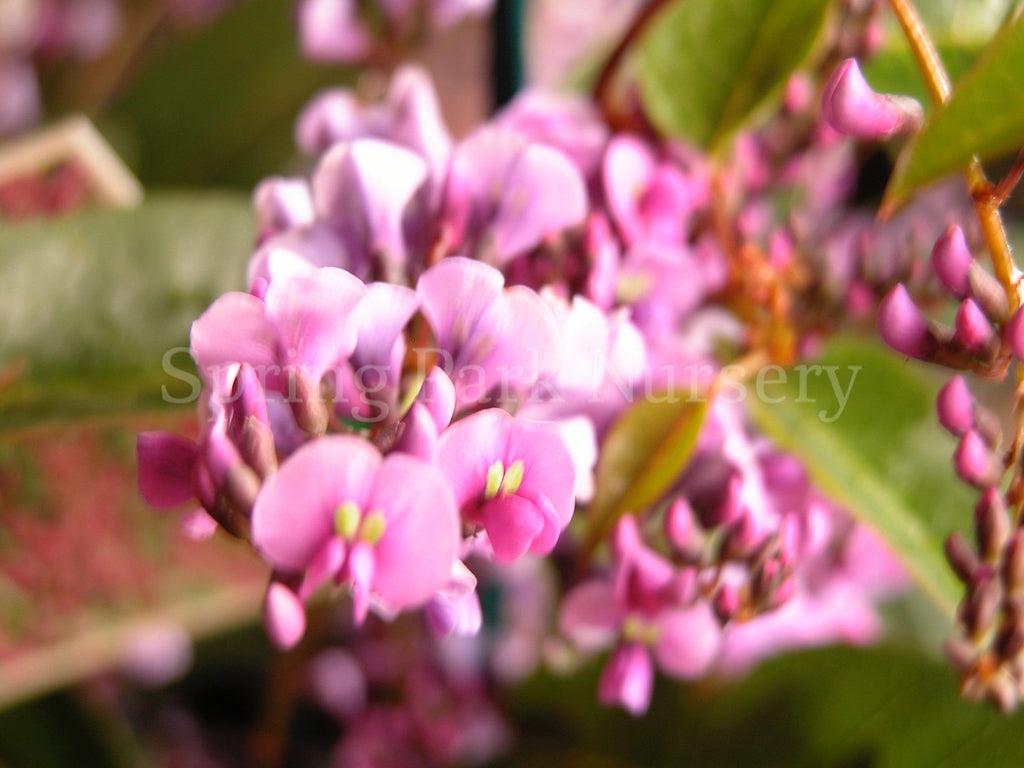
column 628, row 679
column 284, row 616
column 955, row 407
column 951, row 261
column 852, row 108
column 726, row 603
column 973, row 329
column 974, row 462
column 903, row 327
column 991, row 525
column 1015, row 334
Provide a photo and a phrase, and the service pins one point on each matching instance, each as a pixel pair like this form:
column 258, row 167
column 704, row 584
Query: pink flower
column 511, row 477
column 338, row 509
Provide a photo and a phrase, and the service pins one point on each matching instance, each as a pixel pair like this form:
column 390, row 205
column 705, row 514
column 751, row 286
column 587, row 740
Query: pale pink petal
column 284, row 616
column 589, row 616
column 420, row 543
column 628, row 679
column 688, row 641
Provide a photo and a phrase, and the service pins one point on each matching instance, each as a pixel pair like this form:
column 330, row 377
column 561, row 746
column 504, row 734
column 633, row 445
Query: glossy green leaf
column 707, row 65
column 878, row 450
column 882, row 707
column 642, row 455
column 95, row 309
column 983, row 117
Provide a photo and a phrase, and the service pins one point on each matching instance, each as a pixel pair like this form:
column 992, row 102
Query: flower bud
column 955, row 406
column 682, row 532
column 726, row 603
column 852, row 108
column 1013, row 562
column 961, row 557
column 951, row 261
column 903, row 327
column 973, row 330
column 628, row 679
column 991, row 525
column 975, row 463
column 284, row 616
column 978, row 612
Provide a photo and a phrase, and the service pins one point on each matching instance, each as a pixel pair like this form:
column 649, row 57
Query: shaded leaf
column 983, row 117
column 881, row 454
column 91, row 305
column 707, row 65
column 882, row 707
column 642, row 455
column 219, row 107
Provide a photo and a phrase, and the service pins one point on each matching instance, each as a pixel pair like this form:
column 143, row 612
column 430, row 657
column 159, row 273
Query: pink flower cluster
column 438, row 336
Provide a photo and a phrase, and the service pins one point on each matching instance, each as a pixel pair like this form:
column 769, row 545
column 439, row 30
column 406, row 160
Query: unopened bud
column 1013, row 563
column 682, row 532
column 962, row 559
column 1010, row 640
column 740, row 540
column 978, row 612
column 903, row 327
column 306, row 402
column 284, row 616
column 951, row 261
column 256, row 445
column 975, row 463
column 973, row 330
column 852, row 108
column 955, row 407
column 961, row 654
column 991, row 525
column 726, row 603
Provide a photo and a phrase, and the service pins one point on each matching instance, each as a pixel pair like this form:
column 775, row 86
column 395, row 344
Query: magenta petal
column 419, row 434
column 627, row 171
column 543, row 194
column 688, row 641
column 284, row 616
column 165, row 468
column 294, row 513
column 325, row 565
column 628, row 679
column 312, row 311
column 361, row 570
column 512, row 523
column 547, row 466
column 233, row 330
column 852, row 108
column 468, row 448
column 420, row 543
column 197, row 525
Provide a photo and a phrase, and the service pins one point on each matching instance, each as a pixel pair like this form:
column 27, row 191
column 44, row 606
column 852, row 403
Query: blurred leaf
column 642, row 455
column 90, row 305
column 707, row 65
column 983, row 117
column 881, row 454
column 893, row 69
column 219, row 107
column 831, row 707
column 60, row 731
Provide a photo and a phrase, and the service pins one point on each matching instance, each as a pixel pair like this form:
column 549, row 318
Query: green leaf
column 881, row 707
column 219, row 107
column 983, row 117
column 96, row 309
column 707, row 65
column 878, row 451
column 642, row 455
